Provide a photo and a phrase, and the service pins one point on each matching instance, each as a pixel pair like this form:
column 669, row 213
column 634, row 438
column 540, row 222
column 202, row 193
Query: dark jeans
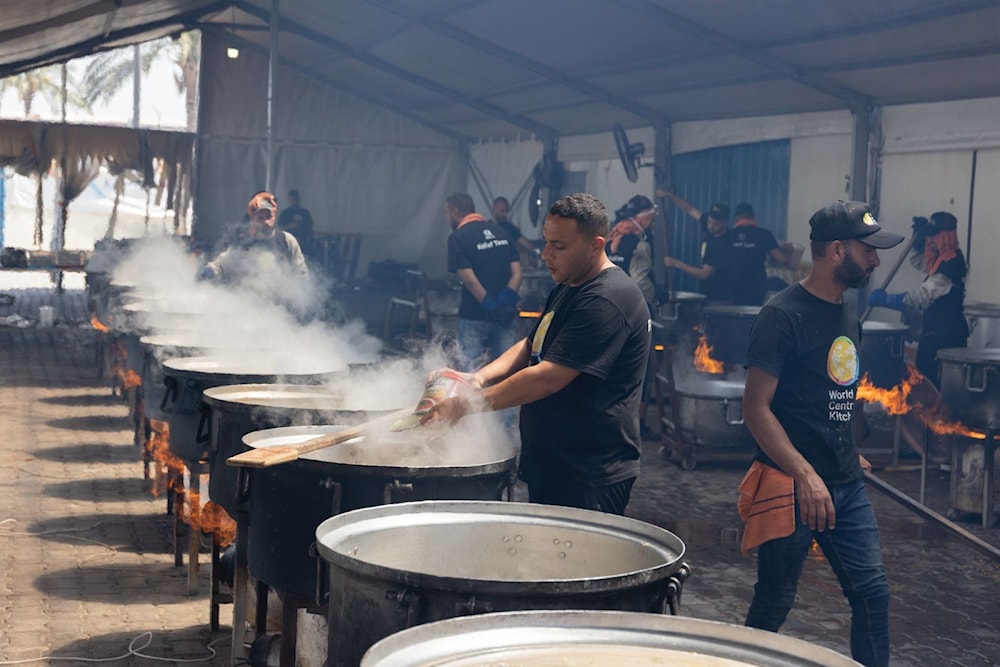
column 611, row 498
column 853, row 551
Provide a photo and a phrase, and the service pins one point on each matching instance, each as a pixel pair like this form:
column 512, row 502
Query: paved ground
column 86, row 563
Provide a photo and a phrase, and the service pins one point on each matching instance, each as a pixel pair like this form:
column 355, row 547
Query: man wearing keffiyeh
column 940, row 296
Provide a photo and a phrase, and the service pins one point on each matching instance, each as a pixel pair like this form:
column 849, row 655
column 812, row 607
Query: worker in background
column 710, row 273
column 940, row 296
column 501, row 218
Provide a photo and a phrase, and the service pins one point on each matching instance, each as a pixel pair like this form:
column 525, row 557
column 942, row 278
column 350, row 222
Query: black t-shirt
column 748, row 247
column 715, row 253
column 513, row 233
column 587, row 434
column 811, row 346
column 486, row 249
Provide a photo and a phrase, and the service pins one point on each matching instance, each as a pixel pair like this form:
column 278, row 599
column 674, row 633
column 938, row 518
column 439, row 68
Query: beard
column 851, row 274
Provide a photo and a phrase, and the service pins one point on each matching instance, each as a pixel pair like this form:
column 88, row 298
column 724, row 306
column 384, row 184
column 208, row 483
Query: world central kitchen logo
column 841, row 404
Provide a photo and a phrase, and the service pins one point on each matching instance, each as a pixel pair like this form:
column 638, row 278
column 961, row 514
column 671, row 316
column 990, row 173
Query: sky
column 161, row 106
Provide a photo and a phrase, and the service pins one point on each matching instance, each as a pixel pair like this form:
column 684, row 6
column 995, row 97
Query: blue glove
column 208, row 273
column 508, row 297
column 489, row 305
column 880, row 299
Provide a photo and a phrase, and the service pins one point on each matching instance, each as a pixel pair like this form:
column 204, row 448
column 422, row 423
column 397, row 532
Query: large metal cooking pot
column 289, row 501
column 727, row 329
column 396, row 566
column 187, row 377
column 681, row 314
column 882, row 353
column 970, row 386
column 984, row 324
column 157, row 348
column 244, row 408
column 613, row 638
column 710, row 414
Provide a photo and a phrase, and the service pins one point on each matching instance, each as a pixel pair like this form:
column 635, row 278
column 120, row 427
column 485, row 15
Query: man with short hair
column 501, row 217
column 299, row 222
column 807, row 479
column 578, row 375
column 714, row 263
column 487, row 263
column 749, row 246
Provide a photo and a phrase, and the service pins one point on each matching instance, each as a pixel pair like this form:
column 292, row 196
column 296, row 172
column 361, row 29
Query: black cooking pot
column 727, row 329
column 244, row 408
column 288, row 501
column 186, row 378
column 882, row 353
column 680, row 314
column 970, row 386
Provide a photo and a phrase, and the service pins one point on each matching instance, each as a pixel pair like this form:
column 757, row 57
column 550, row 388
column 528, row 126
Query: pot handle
column 675, row 586
column 670, row 308
column 338, row 490
column 390, row 489
column 896, row 346
column 204, row 431
column 968, row 379
column 243, row 478
column 170, row 394
column 729, row 406
column 322, row 581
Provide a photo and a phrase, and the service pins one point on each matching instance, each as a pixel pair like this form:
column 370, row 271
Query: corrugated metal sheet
column 756, row 173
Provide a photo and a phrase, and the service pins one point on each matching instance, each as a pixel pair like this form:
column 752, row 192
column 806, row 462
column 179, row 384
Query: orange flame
column 170, row 475
column 97, row 324
column 703, row 360
column 899, row 401
column 131, row 379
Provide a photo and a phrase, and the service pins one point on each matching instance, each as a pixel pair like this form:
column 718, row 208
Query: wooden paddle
column 266, row 457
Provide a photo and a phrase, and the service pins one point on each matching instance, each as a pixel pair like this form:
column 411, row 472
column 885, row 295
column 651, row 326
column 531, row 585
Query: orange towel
column 767, row 505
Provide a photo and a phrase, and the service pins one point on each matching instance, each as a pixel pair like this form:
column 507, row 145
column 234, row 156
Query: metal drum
column 984, row 324
column 710, row 416
column 187, row 377
column 619, row 639
column 681, row 314
column 244, row 408
column 727, row 329
column 970, row 386
column 397, row 566
column 289, row 501
column 882, row 353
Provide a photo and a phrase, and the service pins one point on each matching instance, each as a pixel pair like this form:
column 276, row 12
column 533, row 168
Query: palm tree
column 110, row 71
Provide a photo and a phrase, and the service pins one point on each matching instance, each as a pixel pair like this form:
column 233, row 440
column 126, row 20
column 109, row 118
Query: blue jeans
column 853, row 551
column 482, row 341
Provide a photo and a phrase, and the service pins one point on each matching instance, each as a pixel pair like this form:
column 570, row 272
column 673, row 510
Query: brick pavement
column 67, row 464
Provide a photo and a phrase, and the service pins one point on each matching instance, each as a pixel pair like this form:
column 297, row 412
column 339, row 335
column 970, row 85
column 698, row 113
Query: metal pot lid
column 989, row 356
column 729, row 389
column 146, row 307
column 623, row 639
column 257, row 367
column 297, row 397
column 870, row 327
column 404, row 452
column 499, row 547
column 732, row 311
column 686, row 296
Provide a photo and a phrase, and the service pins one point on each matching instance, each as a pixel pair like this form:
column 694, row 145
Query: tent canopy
column 475, row 69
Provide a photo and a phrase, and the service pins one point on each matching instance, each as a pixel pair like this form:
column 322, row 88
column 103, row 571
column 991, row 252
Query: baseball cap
column 942, row 221
column 719, row 211
column 846, row 220
column 262, row 200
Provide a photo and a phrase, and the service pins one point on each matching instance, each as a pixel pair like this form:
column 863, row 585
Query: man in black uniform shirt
column 487, row 263
column 748, row 248
column 935, row 252
column 578, row 375
column 298, row 221
column 714, row 225
column 501, row 217
column 806, row 482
